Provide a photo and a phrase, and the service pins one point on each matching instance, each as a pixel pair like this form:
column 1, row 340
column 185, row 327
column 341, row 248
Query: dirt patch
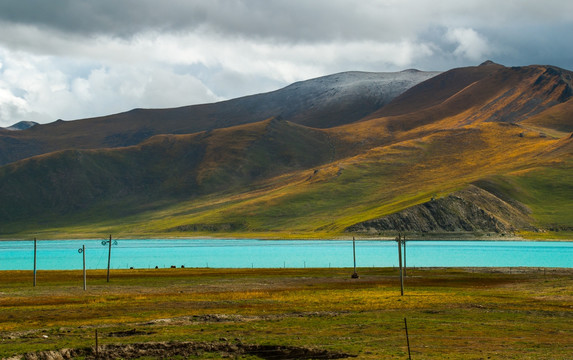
column 162, row 350
column 217, row 318
column 177, row 321
column 127, row 333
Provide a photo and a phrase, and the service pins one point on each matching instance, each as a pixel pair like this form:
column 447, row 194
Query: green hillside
column 324, row 201
column 547, row 191
column 165, row 169
column 501, row 129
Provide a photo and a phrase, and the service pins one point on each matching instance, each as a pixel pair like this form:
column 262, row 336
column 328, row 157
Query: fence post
column 407, row 339
column 97, row 346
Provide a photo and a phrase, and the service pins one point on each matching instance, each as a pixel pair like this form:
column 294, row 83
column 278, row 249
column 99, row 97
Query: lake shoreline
column 440, row 237
column 249, row 253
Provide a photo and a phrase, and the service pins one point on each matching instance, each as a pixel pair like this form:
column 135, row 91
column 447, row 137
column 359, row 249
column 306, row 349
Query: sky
column 73, row 59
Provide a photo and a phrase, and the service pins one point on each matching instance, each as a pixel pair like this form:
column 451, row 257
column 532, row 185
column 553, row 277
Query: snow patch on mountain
column 22, row 125
column 383, row 86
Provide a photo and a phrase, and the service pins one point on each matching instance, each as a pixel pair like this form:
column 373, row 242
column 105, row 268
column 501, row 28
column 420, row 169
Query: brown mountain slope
column 434, row 91
column 323, row 102
column 539, row 95
column 558, row 119
column 275, row 176
column 507, row 94
column 163, row 167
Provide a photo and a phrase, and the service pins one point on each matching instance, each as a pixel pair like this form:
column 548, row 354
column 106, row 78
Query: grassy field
column 291, row 313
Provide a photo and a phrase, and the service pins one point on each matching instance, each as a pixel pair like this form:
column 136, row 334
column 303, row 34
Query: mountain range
column 475, row 151
column 322, row 103
column 22, row 125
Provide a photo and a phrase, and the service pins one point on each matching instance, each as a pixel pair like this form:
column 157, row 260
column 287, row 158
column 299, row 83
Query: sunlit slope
column 546, row 189
column 505, row 130
column 557, row 121
column 538, row 96
column 326, row 200
column 391, row 178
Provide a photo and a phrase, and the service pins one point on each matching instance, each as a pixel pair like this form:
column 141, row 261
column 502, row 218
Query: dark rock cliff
column 472, row 210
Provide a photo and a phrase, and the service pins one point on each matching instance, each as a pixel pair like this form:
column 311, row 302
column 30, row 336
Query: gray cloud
column 292, row 20
column 79, row 58
column 281, row 18
column 287, row 20
column 117, row 18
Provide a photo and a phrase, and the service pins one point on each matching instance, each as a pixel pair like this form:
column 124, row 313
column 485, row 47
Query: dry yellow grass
column 452, row 313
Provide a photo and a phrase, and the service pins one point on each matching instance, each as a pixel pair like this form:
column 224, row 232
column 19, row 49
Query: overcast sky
column 73, row 59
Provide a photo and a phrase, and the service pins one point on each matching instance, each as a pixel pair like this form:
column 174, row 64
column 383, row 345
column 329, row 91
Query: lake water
column 64, row 255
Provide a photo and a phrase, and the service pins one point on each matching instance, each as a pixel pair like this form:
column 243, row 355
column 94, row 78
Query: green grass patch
column 547, row 191
column 451, row 313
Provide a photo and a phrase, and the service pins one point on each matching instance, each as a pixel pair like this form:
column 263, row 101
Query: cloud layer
column 77, row 58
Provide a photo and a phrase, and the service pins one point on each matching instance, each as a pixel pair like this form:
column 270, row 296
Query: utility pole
column 355, row 274
column 84, row 256
column 399, row 240
column 83, row 252
column 109, row 258
column 108, row 242
column 35, row 248
column 405, row 255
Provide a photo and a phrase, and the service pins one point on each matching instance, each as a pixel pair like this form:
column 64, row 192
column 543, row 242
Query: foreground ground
column 288, row 314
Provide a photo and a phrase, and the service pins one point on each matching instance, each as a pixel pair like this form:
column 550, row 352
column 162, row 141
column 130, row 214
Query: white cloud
column 77, row 59
column 102, row 75
column 38, row 88
column 469, row 43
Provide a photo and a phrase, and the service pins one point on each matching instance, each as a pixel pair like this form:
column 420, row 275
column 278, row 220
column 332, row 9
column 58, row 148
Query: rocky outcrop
column 472, row 210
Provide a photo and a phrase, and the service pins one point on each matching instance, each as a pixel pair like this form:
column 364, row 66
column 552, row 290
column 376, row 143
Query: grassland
column 451, row 313
column 322, row 202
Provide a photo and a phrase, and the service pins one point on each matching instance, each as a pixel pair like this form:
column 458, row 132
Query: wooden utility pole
column 84, row 256
column 404, row 240
column 35, row 248
column 109, row 258
column 399, row 240
column 82, row 251
column 354, row 274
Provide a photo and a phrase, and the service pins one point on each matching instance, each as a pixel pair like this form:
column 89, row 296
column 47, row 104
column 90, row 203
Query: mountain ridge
column 22, row 125
column 322, row 102
column 508, row 128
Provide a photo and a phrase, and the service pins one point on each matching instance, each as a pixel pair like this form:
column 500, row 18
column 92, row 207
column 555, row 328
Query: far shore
column 301, row 237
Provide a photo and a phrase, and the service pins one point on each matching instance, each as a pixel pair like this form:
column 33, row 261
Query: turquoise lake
column 64, row 255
